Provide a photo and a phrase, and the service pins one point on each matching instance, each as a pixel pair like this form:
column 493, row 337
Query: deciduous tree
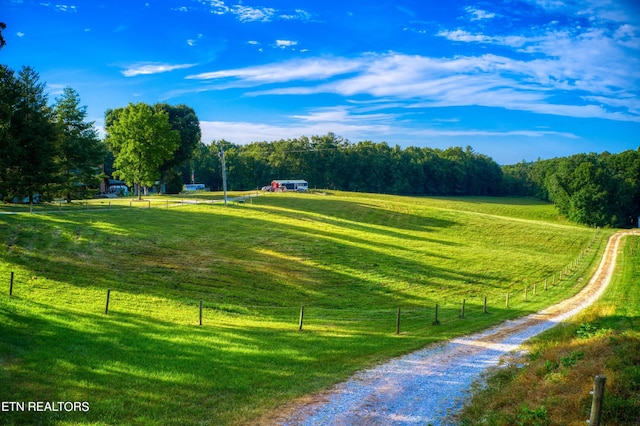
column 142, row 140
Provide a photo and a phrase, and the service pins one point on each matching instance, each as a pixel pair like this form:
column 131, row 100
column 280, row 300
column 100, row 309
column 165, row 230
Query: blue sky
column 515, row 79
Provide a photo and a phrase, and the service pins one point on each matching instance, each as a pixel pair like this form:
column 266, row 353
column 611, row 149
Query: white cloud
column 20, row 34
column 247, row 132
column 148, row 68
column 308, row 69
column 479, row 14
column 253, row 14
column 298, row 14
column 628, row 36
column 245, row 13
column 467, row 37
column 193, row 41
column 55, row 89
column 285, row 43
column 64, row 8
column 419, row 81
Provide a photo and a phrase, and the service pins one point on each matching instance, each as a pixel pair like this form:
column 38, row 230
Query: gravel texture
column 426, row 386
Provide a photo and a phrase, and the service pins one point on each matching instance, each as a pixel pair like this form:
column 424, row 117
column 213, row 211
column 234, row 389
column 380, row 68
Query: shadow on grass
column 192, row 254
column 135, row 370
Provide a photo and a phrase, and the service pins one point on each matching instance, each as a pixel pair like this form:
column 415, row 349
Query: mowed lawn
column 350, row 259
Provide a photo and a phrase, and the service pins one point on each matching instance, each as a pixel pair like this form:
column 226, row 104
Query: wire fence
column 389, row 319
column 107, row 204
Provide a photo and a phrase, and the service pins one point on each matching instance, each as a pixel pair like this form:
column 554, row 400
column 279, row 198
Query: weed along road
column 428, row 386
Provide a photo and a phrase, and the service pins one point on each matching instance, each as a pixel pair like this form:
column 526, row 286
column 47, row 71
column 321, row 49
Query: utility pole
column 224, row 176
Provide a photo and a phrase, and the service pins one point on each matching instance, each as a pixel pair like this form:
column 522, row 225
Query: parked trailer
column 289, row 185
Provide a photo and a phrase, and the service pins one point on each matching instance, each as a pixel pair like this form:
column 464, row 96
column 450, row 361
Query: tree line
column 51, row 151
column 332, row 162
column 45, row 150
column 594, row 189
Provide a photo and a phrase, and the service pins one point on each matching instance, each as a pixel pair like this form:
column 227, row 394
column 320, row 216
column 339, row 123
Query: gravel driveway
column 425, row 386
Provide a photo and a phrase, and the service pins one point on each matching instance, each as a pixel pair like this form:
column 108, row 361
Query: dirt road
column 424, row 386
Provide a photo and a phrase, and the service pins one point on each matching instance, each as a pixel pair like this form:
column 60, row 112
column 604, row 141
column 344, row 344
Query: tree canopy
column 142, row 140
column 80, row 150
column 183, row 119
column 29, row 137
column 335, row 163
column 594, row 189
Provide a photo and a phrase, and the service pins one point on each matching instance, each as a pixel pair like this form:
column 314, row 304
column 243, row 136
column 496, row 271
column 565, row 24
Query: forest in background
column 594, row 189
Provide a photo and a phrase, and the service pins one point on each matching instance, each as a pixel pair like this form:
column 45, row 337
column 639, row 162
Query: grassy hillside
column 350, row 259
column 551, row 385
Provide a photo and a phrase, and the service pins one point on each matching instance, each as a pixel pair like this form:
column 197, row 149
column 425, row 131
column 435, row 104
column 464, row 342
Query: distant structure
column 289, row 185
column 190, row 187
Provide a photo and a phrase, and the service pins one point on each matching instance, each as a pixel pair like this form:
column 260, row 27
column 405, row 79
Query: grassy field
column 551, row 385
column 350, row 259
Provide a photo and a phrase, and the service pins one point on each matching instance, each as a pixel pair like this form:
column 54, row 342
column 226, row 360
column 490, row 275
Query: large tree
column 142, row 140
column 8, row 101
column 29, row 142
column 183, row 119
column 80, row 151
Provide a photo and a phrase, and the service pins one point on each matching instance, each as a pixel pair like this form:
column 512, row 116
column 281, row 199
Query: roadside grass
column 350, row 259
column 551, row 384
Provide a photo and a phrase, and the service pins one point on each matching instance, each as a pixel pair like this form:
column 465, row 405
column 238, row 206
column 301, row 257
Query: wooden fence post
column 484, row 308
column 200, row 311
column 301, row 318
column 596, row 404
column 507, row 302
column 525, row 294
column 462, row 312
column 106, row 308
column 436, row 321
column 11, row 285
column 398, row 322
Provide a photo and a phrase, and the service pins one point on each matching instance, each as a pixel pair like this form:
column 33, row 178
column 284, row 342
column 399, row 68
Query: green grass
column 556, row 378
column 350, row 259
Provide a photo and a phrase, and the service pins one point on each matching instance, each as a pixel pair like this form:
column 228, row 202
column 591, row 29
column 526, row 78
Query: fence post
column 200, row 311
column 398, row 322
column 436, row 322
column 525, row 294
column 301, row 318
column 484, row 307
column 534, row 289
column 149, row 204
column 507, row 302
column 596, row 404
column 106, row 308
column 11, row 285
column 462, row 312
column 545, row 284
